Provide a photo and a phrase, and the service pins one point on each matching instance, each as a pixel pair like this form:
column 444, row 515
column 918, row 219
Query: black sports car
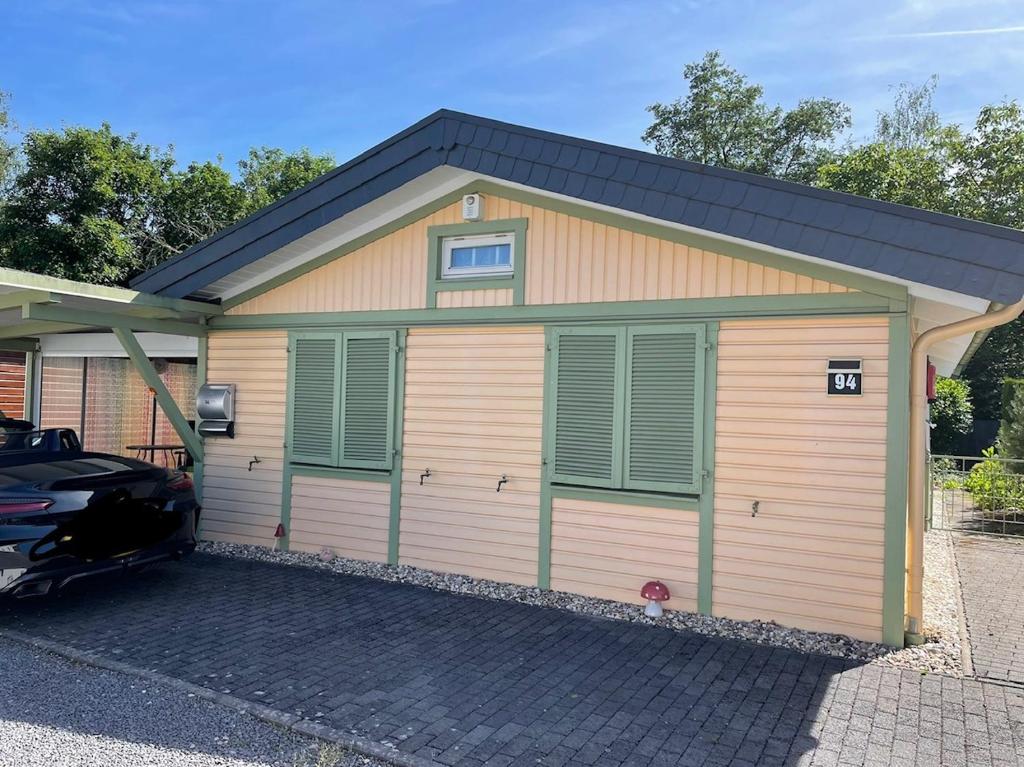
column 66, row 513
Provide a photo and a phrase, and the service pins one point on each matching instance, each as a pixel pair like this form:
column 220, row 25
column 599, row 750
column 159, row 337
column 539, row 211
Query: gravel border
column 940, row 653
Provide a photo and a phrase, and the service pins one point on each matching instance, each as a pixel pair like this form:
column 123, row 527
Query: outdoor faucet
column 424, row 475
column 502, row 481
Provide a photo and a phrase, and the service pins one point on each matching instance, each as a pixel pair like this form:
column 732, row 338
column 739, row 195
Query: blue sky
column 214, row 77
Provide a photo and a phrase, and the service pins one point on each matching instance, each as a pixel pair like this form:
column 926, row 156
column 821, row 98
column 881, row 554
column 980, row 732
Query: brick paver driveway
column 992, row 578
column 467, row 681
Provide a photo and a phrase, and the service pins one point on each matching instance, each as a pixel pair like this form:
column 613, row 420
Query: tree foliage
column 89, row 204
column 724, row 121
column 81, row 204
column 951, row 414
column 8, row 151
column 269, row 174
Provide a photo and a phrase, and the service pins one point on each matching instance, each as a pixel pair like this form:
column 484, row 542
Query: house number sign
column 844, row 377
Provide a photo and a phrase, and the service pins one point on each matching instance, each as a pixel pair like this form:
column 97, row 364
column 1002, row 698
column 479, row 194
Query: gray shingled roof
column 957, row 254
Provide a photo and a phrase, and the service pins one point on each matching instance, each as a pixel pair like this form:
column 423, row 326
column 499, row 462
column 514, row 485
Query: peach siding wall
column 610, row 551
column 451, row 299
column 569, row 260
column 812, row 557
column 346, row 515
column 12, row 385
column 474, row 401
column 238, row 505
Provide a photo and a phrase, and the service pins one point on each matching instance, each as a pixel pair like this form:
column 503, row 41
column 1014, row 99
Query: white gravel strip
column 940, row 655
column 55, row 713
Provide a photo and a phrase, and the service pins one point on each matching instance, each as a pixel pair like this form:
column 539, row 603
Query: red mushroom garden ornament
column 655, row 592
column 279, row 533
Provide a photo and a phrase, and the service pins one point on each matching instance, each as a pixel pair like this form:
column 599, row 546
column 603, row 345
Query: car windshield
column 21, row 439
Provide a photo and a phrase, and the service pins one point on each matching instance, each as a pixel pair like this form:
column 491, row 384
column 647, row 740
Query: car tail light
column 179, row 483
column 23, row 505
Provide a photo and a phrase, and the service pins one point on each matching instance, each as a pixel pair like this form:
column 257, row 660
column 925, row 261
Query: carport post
column 167, row 403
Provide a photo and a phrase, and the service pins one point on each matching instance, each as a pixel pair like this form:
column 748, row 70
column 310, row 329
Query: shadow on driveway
column 468, row 681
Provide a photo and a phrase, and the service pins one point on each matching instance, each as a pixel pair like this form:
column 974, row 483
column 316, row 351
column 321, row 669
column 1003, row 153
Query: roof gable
column 968, row 257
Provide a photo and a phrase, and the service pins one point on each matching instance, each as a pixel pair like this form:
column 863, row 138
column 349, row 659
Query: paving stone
column 468, row 682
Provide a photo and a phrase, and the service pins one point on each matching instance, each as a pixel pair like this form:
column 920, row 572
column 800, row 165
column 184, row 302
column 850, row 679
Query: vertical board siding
column 347, row 516
column 239, row 505
column 473, row 399
column 812, row 556
column 454, row 299
column 61, row 393
column 568, row 260
column 610, row 550
column 12, row 384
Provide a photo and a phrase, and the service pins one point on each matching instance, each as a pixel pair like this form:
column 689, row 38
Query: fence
column 976, row 494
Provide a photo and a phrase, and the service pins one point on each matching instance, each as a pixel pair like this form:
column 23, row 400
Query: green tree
column 951, row 414
column 8, row 150
column 198, row 202
column 81, row 206
column 724, row 121
column 269, row 174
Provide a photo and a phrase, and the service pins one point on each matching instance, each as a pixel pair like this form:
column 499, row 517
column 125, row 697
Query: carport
column 34, row 306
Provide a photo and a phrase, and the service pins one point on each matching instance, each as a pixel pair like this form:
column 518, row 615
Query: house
column 481, row 348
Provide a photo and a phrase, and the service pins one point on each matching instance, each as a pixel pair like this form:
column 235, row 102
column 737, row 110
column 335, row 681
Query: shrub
column 993, row 486
column 951, row 414
column 1011, row 428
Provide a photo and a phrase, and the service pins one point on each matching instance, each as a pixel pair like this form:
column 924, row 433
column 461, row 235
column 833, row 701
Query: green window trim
column 333, row 404
column 516, row 280
column 627, row 497
column 626, row 406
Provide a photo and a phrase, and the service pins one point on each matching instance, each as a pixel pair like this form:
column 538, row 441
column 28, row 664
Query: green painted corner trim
column 517, row 280
column 547, row 461
column 706, row 520
column 699, row 239
column 626, row 497
column 395, row 512
column 698, row 309
column 145, row 368
column 202, row 363
column 286, row 506
column 896, row 457
column 113, row 320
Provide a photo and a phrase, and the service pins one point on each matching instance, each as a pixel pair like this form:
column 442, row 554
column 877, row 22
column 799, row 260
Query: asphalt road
column 61, row 714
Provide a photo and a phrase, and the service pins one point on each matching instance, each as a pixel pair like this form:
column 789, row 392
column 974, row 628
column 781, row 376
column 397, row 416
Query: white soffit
column 106, row 345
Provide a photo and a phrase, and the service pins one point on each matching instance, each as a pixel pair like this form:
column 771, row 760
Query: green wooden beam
column 19, row 330
column 21, row 297
column 395, row 515
column 700, row 309
column 45, row 313
column 167, row 403
column 15, row 278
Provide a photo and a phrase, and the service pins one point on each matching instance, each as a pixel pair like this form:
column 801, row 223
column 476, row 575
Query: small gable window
column 477, row 255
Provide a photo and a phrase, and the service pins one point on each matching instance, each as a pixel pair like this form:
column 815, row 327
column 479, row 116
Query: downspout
column 918, row 440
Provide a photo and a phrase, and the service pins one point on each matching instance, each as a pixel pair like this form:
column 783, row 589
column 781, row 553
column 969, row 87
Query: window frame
column 438, row 282
column 453, row 242
column 620, row 481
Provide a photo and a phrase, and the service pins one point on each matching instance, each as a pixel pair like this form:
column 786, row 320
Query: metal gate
column 976, row 494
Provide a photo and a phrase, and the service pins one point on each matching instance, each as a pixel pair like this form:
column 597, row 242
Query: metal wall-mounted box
column 215, row 408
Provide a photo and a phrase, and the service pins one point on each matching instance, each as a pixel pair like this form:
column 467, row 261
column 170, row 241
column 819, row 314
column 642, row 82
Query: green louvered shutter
column 315, row 378
column 664, row 408
column 587, row 408
column 368, row 400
